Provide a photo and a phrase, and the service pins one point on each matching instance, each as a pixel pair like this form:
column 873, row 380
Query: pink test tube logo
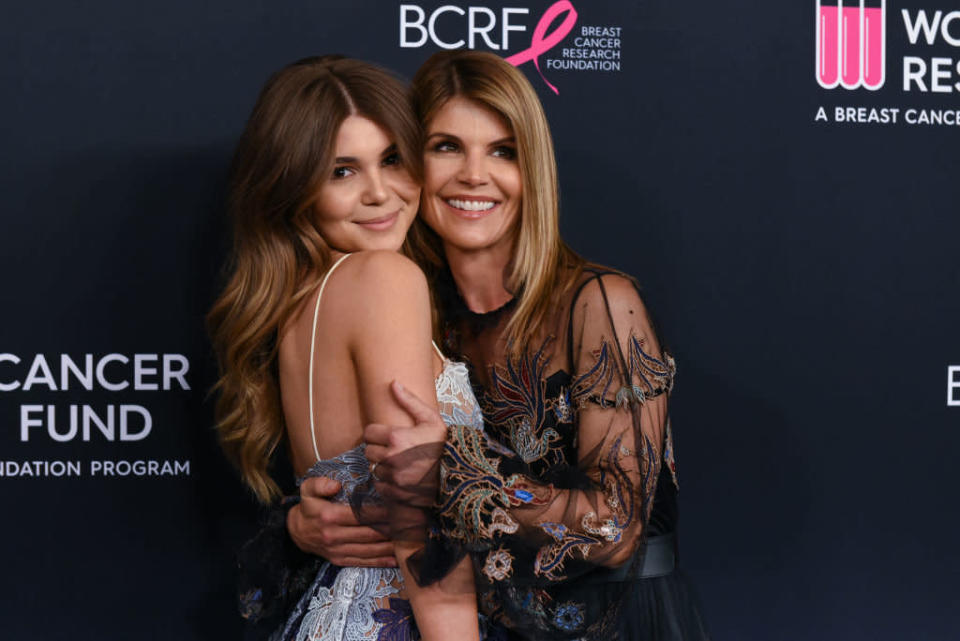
column 851, row 43
column 828, row 42
column 874, row 43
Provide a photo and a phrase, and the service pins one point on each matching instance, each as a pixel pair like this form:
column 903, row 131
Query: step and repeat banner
column 783, row 179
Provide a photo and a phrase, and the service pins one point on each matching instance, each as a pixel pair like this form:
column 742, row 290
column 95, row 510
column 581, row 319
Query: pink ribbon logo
column 542, row 42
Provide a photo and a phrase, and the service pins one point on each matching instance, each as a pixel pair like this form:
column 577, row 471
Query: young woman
column 568, row 504
column 321, row 312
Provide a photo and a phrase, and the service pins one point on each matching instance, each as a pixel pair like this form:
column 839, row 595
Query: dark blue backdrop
column 805, row 272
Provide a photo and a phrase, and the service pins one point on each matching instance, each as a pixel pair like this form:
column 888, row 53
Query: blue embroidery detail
column 523, row 495
column 556, row 530
column 568, row 617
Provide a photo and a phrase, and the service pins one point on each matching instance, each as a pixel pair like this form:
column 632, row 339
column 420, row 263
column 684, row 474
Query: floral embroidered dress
column 567, row 499
column 361, row 604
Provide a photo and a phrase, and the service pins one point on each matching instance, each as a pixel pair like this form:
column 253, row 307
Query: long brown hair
column 284, row 154
column 537, row 273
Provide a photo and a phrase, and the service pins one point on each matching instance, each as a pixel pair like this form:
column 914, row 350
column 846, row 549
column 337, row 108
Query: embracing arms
column 388, row 322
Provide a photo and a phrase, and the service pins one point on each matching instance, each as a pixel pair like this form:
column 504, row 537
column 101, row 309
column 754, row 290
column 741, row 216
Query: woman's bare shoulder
column 370, row 276
column 378, row 287
column 381, row 266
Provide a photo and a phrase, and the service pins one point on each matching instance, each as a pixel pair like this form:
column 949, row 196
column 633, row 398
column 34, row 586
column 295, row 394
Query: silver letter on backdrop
column 431, row 27
column 405, row 25
column 483, row 31
column 953, row 384
column 9, row 387
column 507, row 27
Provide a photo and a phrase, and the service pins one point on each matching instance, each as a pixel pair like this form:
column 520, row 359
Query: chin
column 393, row 243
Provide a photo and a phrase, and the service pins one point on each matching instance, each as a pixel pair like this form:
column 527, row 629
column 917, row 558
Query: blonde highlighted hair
column 284, row 155
column 537, row 275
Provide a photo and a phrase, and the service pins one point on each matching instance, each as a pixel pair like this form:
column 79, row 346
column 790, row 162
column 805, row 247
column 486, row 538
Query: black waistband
column 658, row 557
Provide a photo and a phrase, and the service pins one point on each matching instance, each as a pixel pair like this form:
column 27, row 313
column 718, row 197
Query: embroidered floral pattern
column 568, row 617
column 397, row 622
column 499, row 564
column 594, row 384
column 606, row 529
column 668, row 456
column 655, row 375
column 251, row 605
column 551, row 557
column 345, row 609
column 649, row 377
column 474, row 494
column 516, row 403
column 561, row 407
column 455, row 398
column 350, row 468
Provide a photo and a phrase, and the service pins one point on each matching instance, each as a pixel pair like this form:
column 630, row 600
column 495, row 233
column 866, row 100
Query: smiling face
column 472, row 184
column 369, row 200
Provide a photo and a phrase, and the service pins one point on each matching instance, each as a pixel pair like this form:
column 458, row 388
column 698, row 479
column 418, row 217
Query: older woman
column 567, row 502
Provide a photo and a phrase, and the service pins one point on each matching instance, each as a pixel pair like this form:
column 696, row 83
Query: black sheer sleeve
column 555, row 523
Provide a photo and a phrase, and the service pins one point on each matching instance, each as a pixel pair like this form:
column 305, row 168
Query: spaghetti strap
column 313, row 338
column 439, row 353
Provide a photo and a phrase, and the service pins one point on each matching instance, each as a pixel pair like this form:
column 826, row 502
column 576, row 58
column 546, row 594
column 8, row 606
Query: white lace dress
column 359, row 604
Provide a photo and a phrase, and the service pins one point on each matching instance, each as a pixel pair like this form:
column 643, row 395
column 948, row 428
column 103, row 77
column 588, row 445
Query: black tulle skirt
column 663, row 608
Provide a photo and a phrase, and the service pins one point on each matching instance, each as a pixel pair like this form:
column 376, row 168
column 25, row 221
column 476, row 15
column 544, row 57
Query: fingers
column 357, row 534
column 376, row 434
column 327, row 513
column 376, row 453
column 295, row 529
column 420, row 411
column 319, row 487
column 370, row 551
column 362, row 562
column 335, row 541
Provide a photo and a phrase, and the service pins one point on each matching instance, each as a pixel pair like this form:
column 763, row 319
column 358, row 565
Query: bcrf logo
column 851, row 43
column 478, row 23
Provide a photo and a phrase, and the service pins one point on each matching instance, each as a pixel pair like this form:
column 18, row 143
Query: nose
column 375, row 192
column 473, row 171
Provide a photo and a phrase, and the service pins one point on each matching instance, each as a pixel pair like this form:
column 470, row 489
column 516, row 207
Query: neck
column 480, row 277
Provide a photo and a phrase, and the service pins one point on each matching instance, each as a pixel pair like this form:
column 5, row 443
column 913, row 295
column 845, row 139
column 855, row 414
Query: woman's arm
column 390, row 339
column 618, row 405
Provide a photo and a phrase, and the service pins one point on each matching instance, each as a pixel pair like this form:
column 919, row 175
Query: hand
column 384, row 441
column 319, row 526
column 406, row 464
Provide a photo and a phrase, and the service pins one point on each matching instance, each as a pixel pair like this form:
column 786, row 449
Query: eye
column 505, row 151
column 391, row 160
column 446, row 146
column 341, row 172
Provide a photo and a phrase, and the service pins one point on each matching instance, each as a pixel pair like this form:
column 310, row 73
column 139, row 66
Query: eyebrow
column 346, row 160
column 441, row 134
